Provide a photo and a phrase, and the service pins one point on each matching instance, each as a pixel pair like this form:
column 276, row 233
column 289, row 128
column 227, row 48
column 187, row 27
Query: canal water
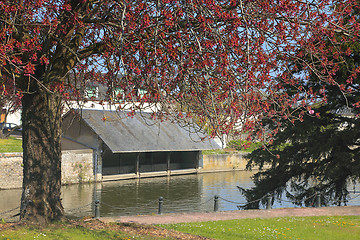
column 187, row 193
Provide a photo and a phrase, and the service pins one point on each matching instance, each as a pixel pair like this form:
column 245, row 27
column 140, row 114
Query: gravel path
column 213, row 216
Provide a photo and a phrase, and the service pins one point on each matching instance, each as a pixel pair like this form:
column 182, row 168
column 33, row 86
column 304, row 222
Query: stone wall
column 11, row 171
column 223, row 162
column 77, row 166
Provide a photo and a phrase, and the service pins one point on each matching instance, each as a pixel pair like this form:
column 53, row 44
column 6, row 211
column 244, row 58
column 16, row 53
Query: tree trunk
column 41, row 123
column 2, row 135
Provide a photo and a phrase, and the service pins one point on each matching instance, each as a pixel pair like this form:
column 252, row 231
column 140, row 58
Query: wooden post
column 97, row 209
column 197, row 158
column 268, row 202
column 161, row 200
column 216, row 203
column 199, row 161
column 119, row 158
column 318, row 200
column 137, row 164
column 152, row 161
column 98, row 159
column 168, row 162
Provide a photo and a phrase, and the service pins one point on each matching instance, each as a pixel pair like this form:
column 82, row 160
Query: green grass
column 67, row 232
column 327, row 228
column 217, row 151
column 243, row 145
column 235, row 146
column 10, row 144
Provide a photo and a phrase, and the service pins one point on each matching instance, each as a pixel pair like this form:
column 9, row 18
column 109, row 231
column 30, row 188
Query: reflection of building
column 134, row 146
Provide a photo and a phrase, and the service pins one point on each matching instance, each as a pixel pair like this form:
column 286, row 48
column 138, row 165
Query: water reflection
column 78, row 199
column 188, row 193
column 9, row 200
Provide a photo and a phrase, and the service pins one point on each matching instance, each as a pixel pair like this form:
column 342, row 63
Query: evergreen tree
column 318, row 154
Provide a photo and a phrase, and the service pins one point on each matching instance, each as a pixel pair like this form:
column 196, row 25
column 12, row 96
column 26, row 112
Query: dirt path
column 213, row 216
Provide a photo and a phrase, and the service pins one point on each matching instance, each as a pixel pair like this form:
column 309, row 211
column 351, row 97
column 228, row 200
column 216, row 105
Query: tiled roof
column 140, row 133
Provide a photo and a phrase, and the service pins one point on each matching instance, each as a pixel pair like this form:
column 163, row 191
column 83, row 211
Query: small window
column 92, row 92
column 141, row 93
column 118, row 92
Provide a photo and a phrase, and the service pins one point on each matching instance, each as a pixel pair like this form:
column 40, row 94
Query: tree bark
column 41, row 122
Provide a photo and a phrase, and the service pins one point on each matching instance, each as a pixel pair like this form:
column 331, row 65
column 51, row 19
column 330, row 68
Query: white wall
column 14, row 118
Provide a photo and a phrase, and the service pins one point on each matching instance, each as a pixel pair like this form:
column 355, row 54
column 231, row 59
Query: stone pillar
column 168, row 158
column 98, row 161
column 199, row 160
column 152, row 161
column 137, row 165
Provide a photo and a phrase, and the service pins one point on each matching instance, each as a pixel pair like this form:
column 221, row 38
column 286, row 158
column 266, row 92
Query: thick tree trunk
column 41, row 123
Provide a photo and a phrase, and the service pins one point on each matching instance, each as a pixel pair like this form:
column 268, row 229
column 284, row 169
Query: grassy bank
column 62, row 233
column 339, row 227
column 77, row 230
column 329, row 228
column 235, row 146
column 10, row 144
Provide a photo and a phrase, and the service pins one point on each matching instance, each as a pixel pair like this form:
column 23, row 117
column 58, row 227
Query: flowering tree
column 224, row 62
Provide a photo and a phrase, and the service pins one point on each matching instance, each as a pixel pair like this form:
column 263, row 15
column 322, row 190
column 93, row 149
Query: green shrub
column 244, row 145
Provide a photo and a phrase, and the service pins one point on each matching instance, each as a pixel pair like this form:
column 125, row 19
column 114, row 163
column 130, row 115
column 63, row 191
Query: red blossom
column 29, row 69
column 223, row 64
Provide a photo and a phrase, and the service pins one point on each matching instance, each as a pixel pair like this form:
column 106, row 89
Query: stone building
column 134, row 146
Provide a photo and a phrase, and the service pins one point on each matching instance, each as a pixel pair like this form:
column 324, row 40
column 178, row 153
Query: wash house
column 134, row 146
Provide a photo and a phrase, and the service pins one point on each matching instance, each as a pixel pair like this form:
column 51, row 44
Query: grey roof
column 140, row 133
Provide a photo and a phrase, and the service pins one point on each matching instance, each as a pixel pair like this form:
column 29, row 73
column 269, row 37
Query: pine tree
column 320, row 154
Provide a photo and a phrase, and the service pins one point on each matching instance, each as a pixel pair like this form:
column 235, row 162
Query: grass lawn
column 329, row 228
column 337, row 227
column 217, row 151
column 234, row 147
column 60, row 233
column 67, row 231
column 10, row 145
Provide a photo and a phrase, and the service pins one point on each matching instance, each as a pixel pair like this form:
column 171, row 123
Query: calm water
column 188, row 193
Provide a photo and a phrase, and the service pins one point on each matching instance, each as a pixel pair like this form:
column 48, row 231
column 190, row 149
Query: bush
column 244, row 145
